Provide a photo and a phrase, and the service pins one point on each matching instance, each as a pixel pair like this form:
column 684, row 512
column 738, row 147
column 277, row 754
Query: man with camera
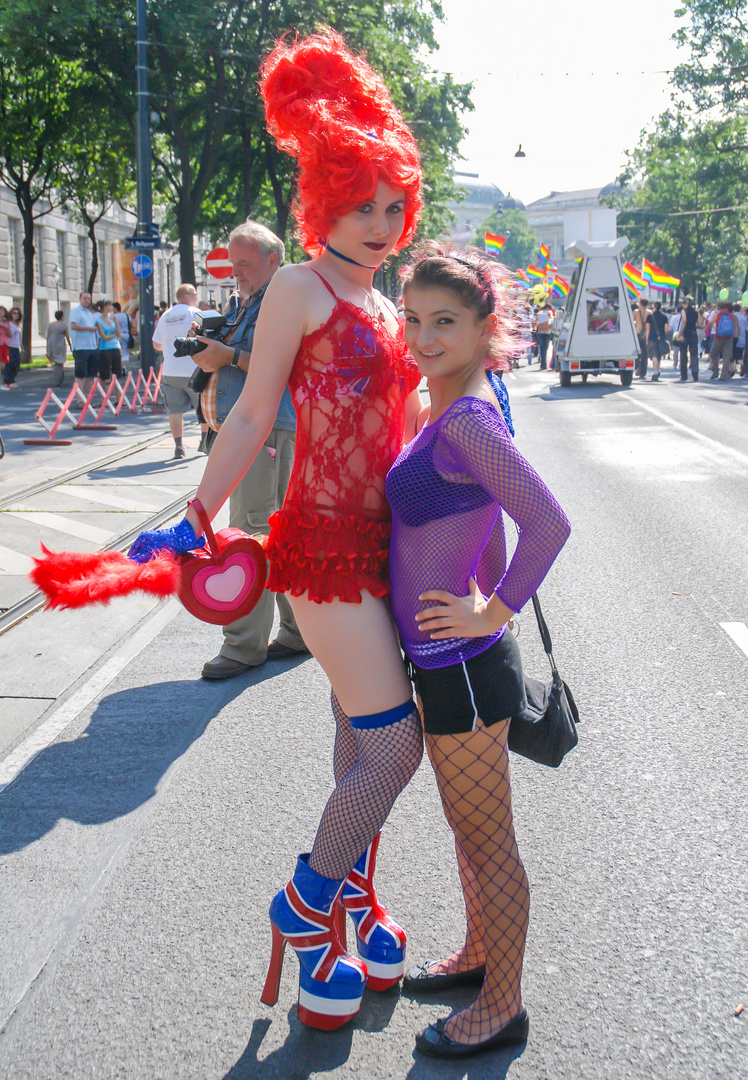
column 255, row 253
column 176, row 368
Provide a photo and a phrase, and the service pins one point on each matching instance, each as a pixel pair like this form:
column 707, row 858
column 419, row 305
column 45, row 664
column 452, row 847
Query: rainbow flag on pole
column 545, row 260
column 658, row 279
column 634, row 281
column 560, row 287
column 522, row 276
column 534, row 272
column 494, row 243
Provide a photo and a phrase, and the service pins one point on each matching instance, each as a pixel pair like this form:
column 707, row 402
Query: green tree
column 716, row 37
column 521, row 243
column 675, row 183
column 36, row 98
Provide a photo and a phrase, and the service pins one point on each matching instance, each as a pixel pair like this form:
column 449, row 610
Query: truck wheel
column 627, row 377
column 564, row 377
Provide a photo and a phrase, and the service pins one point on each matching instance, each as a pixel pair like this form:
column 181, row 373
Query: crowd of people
column 687, row 333
column 382, row 508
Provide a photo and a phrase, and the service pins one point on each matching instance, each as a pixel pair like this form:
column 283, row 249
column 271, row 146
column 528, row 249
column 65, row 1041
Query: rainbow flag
column 633, row 280
column 560, row 287
column 535, row 272
column 522, row 276
column 494, row 243
column 545, row 253
column 658, row 279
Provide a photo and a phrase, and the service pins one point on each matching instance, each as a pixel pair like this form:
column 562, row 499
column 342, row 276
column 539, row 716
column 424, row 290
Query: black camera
column 210, row 325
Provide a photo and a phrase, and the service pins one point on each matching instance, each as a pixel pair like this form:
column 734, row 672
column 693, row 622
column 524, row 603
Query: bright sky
column 573, row 81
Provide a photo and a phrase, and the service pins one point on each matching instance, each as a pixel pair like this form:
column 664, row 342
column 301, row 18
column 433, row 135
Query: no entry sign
column 218, row 264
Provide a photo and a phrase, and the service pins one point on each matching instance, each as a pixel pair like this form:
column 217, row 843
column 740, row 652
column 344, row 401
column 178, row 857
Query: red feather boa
column 72, row 579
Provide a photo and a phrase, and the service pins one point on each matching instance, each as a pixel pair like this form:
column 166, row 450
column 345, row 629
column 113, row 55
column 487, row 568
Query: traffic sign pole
column 144, row 185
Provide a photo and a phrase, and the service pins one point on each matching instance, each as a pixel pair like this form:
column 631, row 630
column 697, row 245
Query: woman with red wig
column 325, row 332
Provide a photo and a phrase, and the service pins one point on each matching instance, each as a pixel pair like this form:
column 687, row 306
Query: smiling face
column 446, row 338
column 370, row 232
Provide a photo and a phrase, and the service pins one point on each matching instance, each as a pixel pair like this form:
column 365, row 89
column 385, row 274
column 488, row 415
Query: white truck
column 594, row 334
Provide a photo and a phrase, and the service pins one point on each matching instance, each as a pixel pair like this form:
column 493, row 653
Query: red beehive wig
column 332, row 111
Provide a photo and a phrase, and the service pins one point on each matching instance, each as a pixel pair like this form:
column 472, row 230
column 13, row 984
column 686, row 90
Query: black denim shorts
column 489, row 686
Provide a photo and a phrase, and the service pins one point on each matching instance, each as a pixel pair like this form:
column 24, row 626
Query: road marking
column 102, row 498
column 12, row 562
column 738, row 631
column 723, row 449
column 41, row 737
column 60, row 524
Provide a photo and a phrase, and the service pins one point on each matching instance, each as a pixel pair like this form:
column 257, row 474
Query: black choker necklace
column 339, row 255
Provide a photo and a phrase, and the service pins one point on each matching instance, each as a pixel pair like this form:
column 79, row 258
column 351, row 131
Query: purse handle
column 545, row 634
column 205, row 522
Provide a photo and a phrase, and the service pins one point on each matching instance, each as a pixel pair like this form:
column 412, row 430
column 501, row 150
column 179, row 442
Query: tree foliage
column 521, row 243
column 674, row 185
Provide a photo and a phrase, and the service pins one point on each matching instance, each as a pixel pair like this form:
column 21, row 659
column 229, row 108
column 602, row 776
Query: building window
column 62, row 276
column 38, row 255
column 15, row 249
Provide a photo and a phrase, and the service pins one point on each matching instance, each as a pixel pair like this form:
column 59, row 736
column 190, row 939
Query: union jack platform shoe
column 380, row 940
column 331, row 983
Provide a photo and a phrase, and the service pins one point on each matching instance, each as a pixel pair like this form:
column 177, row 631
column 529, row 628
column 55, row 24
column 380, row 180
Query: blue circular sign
column 142, row 266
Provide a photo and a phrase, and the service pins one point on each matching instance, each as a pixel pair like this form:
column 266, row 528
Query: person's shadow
column 115, row 765
column 307, row 1052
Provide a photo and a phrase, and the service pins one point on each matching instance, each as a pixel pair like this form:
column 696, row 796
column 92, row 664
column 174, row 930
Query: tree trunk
column 247, row 192
column 186, row 229
column 26, row 206
column 91, row 227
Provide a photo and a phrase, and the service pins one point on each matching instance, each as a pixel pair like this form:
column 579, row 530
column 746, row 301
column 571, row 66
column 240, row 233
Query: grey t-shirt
column 57, row 346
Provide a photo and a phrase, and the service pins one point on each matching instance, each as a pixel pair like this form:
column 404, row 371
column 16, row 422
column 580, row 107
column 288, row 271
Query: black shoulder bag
column 547, row 729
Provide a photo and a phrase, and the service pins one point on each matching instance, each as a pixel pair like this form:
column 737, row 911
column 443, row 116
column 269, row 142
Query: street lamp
column 56, row 275
column 168, row 253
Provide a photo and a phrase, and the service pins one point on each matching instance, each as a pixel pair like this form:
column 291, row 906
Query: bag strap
column 199, row 509
column 545, row 634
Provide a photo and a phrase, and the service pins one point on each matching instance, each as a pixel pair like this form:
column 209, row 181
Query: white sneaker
column 4, row 386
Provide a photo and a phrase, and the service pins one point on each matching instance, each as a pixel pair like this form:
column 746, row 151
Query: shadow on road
column 116, row 764
column 307, row 1052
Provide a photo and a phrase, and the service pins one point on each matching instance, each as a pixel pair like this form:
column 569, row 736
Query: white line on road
column 58, row 523
column 102, row 498
column 46, row 733
column 723, row 449
column 738, row 631
column 14, row 563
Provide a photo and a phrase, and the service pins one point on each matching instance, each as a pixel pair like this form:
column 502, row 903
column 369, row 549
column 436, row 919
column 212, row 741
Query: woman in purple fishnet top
column 452, row 597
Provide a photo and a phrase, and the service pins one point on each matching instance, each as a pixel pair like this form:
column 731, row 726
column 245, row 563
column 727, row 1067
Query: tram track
column 35, row 600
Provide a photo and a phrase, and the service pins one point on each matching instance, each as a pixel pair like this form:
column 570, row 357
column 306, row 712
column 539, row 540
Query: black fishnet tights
column 473, row 953
column 472, row 772
column 372, row 766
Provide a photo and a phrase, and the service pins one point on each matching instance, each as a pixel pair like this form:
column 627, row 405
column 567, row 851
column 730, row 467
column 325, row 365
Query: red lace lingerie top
column 349, row 384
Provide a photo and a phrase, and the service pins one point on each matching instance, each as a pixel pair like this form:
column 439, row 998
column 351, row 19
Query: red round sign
column 218, row 263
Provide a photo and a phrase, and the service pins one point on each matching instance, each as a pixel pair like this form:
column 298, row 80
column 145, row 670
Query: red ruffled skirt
column 327, row 558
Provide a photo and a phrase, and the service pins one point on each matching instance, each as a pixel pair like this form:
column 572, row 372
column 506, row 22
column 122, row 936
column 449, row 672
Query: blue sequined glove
column 178, row 539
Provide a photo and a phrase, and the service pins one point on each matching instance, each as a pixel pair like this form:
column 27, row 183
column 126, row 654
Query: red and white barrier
column 136, row 395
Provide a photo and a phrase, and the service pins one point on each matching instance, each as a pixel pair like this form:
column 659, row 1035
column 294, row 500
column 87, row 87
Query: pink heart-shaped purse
column 223, row 580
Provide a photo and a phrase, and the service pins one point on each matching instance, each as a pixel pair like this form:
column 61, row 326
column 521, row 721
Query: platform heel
column 331, row 982
column 380, row 940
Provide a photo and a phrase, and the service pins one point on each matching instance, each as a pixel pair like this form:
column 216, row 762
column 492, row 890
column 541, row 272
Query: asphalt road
column 141, row 848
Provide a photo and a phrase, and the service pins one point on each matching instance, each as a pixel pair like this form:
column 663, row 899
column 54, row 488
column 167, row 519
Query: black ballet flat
column 434, row 1042
column 418, row 978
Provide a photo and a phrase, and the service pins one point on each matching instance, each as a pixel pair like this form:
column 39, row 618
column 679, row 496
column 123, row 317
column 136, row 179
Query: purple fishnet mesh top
column 447, row 489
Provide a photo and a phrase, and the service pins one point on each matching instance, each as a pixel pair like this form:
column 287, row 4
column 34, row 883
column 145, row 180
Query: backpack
column 724, row 325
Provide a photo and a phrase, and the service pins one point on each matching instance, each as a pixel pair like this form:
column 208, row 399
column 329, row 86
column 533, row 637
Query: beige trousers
column 258, row 495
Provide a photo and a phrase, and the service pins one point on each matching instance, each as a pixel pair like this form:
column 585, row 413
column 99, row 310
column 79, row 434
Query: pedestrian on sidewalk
column 255, row 254
column 640, row 325
column 176, row 371
column 15, row 319
column 58, row 343
column 324, row 330
column 4, row 334
column 689, row 341
column 543, row 318
column 738, row 352
column 122, row 320
column 449, row 489
column 110, row 353
column 85, row 342
column 725, row 327
column 656, row 325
